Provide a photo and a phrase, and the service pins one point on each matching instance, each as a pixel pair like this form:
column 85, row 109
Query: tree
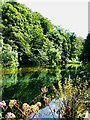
column 23, row 29
column 9, row 56
column 45, row 23
column 55, row 45
column 66, row 45
column 73, row 43
column 79, row 46
column 86, row 50
column 37, row 40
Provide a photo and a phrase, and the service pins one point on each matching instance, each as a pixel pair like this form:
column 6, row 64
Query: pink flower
column 2, row 103
column 10, row 115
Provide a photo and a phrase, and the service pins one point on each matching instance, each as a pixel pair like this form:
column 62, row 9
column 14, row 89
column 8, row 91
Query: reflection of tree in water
column 25, row 86
column 9, row 79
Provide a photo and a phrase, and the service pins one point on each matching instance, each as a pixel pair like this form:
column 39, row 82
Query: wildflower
column 10, row 115
column 2, row 103
column 27, row 111
column 44, row 90
column 12, row 103
column 46, row 99
column 38, row 104
column 25, row 106
column 35, row 109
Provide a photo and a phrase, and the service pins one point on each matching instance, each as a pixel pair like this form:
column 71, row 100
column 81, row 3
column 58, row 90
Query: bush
column 9, row 56
column 74, row 97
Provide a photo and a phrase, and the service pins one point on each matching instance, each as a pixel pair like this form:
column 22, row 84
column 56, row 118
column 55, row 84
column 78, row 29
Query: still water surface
column 24, row 84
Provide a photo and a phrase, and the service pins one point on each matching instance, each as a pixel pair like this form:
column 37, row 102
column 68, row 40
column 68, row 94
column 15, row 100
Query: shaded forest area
column 29, row 38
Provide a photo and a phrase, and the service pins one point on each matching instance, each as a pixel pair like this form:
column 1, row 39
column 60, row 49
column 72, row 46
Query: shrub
column 74, row 99
column 9, row 56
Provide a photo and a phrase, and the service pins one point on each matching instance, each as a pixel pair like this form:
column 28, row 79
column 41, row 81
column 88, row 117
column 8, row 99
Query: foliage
column 38, row 41
column 85, row 56
column 73, row 42
column 22, row 28
column 54, row 47
column 45, row 23
column 9, row 56
column 79, row 46
column 74, row 99
column 65, row 43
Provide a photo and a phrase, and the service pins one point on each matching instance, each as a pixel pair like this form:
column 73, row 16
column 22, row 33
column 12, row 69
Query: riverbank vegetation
column 71, row 99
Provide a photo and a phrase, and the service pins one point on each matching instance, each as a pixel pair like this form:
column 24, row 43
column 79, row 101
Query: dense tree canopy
column 85, row 56
column 34, row 39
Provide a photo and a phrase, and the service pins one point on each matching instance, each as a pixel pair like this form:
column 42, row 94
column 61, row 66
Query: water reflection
column 24, row 84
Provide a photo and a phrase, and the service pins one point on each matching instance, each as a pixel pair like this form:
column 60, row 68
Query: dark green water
column 24, row 84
